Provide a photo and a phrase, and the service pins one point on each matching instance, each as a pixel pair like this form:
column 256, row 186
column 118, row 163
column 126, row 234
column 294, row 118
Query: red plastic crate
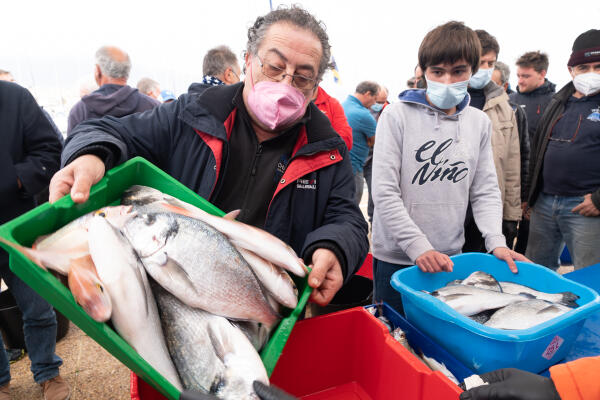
column 366, row 268
column 351, row 355
column 348, row 355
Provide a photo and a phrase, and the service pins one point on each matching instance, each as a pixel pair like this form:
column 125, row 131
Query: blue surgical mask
column 445, row 96
column 377, row 107
column 481, row 78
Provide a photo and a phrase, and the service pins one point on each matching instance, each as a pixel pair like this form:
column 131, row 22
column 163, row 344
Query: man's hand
column 510, row 256
column 526, row 210
column 586, row 207
column 326, row 276
column 77, row 178
column 512, row 384
column 434, row 261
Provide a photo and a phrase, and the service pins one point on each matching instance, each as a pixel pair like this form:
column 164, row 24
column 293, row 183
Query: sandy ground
column 90, row 370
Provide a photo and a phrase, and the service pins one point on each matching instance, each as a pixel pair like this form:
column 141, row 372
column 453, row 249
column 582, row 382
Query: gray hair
column 217, row 60
column 294, row 15
column 146, row 85
column 504, row 71
column 367, row 86
column 117, row 69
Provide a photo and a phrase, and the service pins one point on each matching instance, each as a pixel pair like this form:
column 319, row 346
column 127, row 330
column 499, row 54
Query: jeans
column 382, row 289
column 39, row 326
column 359, row 184
column 553, row 223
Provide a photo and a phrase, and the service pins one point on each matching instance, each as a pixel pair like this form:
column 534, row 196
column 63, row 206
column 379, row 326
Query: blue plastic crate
column 420, row 342
column 482, row 348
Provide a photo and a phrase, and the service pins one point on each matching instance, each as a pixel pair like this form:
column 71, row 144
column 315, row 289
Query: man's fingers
column 511, row 263
column 317, row 275
column 577, row 208
column 520, row 257
column 81, row 187
column 58, row 189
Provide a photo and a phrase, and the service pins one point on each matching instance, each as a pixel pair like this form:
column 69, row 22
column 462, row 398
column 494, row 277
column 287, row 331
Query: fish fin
column 569, row 299
column 232, row 215
column 551, row 308
column 29, row 253
column 170, row 271
column 176, row 209
column 217, row 344
column 528, row 295
column 38, row 240
column 455, row 296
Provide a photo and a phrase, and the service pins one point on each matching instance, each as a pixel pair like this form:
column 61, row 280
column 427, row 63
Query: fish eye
column 149, row 219
column 101, row 213
column 99, row 286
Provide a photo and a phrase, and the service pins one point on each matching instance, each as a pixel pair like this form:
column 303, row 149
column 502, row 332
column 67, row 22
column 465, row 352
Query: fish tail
column 569, row 299
column 29, row 253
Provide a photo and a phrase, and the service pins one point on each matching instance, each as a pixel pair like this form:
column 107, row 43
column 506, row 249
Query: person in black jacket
column 113, row 96
column 30, row 155
column 260, row 146
column 565, row 165
column 533, row 94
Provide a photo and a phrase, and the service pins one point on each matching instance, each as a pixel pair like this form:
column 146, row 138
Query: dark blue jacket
column 109, row 99
column 30, row 151
column 188, row 138
column 534, row 103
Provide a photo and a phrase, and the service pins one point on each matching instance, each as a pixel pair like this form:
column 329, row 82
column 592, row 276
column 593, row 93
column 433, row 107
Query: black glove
column 263, row 391
column 509, row 230
column 266, row 392
column 512, row 384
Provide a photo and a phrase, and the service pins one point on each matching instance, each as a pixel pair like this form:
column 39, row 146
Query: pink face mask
column 276, row 104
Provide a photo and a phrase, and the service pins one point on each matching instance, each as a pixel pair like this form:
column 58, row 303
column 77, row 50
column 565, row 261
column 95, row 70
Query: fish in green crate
column 525, row 314
column 85, row 284
column 274, row 279
column 210, row 353
column 241, row 235
column 88, row 290
column 135, row 314
column 198, row 265
column 72, row 238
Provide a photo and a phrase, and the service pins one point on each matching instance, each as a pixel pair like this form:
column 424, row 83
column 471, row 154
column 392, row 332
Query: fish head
column 150, row 232
column 88, row 290
column 116, row 215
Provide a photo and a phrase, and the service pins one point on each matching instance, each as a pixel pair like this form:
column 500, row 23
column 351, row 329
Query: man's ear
column 97, row 74
column 543, row 73
column 505, row 86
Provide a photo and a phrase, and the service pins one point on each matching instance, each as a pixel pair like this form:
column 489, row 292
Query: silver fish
column 211, row 354
column 525, row 314
column 274, row 279
column 470, row 300
column 199, row 266
column 134, row 312
column 565, row 298
column 257, row 333
column 482, row 280
column 242, row 235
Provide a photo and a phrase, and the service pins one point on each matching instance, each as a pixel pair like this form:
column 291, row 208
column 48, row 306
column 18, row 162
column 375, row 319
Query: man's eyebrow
column 301, row 66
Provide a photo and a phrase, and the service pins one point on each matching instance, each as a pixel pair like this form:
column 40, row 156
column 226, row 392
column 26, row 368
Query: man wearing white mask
column 433, row 157
column 260, row 146
column 565, row 165
column 494, row 102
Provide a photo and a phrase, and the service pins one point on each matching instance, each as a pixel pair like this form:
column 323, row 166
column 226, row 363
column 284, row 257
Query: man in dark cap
column 565, row 165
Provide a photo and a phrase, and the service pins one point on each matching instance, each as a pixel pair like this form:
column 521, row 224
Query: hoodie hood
column 546, row 88
column 115, row 100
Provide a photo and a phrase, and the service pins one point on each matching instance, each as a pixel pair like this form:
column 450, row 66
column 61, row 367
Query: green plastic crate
column 47, row 218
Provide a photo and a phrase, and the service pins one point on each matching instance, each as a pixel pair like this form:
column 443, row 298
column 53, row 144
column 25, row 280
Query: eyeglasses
column 562, row 140
column 299, row 81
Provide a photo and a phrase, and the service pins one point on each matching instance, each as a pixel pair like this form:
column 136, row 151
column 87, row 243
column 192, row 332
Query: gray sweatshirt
column 426, row 166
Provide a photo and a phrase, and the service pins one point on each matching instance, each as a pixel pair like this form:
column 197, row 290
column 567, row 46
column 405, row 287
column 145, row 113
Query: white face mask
column 481, row 78
column 588, row 83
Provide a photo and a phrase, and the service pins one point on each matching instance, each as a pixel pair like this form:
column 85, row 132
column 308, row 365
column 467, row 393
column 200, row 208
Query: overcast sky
column 49, row 45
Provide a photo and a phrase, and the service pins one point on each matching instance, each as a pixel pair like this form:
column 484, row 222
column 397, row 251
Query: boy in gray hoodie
column 433, row 153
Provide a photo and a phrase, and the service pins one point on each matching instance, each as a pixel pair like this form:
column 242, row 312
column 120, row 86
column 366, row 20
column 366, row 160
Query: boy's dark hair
column 449, row 43
column 488, row 42
column 534, row 59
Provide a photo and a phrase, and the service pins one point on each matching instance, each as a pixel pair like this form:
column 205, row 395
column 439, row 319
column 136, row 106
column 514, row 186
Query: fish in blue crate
column 503, row 304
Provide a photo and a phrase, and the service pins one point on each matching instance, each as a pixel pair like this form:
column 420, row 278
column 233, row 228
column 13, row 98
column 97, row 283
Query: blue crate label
column 553, row 347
